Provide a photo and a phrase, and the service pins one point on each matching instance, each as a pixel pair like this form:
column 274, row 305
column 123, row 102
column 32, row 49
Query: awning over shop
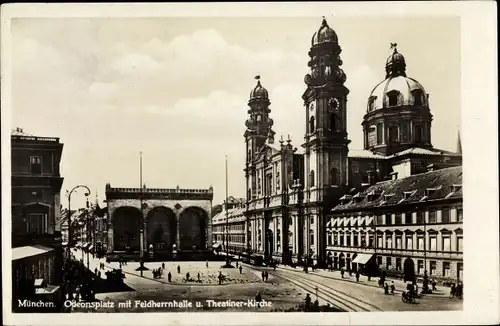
column 85, row 245
column 217, row 245
column 49, row 289
column 362, row 258
column 91, row 246
column 65, row 243
column 29, row 251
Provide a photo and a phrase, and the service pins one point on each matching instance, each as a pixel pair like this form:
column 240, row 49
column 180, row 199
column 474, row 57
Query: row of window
column 334, row 125
column 37, row 224
column 393, row 97
column 334, row 177
column 387, row 219
column 355, row 241
column 398, row 218
column 396, row 136
column 41, row 268
column 239, row 238
column 420, row 267
column 232, row 227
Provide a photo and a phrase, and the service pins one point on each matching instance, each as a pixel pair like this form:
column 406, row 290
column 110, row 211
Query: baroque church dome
column 397, row 90
column 324, row 34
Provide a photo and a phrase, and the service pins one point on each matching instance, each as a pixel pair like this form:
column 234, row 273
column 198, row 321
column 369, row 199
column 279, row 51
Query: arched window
column 311, row 125
column 393, row 98
column 418, row 98
column 334, row 176
column 311, row 178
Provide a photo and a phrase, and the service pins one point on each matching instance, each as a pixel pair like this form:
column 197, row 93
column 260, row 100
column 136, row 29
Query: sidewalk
column 398, row 284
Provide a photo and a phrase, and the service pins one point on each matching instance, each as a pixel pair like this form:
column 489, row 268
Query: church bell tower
column 326, row 143
column 259, row 130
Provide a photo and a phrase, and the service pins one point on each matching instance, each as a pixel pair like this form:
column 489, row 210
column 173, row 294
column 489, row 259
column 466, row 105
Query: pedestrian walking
column 240, row 269
column 178, row 269
column 263, row 276
column 199, row 277
column 220, row 277
column 386, row 288
column 207, row 264
column 163, row 265
column 433, row 285
column 452, row 291
column 307, row 301
column 342, row 273
column 169, row 277
column 357, row 276
column 258, row 298
column 459, row 290
column 267, row 276
column 236, row 263
column 392, row 287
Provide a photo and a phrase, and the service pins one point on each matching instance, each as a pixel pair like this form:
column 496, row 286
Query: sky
column 177, row 89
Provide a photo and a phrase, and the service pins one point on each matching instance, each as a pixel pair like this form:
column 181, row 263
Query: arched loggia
column 127, row 224
column 161, row 228
column 192, row 228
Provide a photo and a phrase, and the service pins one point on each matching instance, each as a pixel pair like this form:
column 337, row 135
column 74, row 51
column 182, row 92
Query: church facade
column 291, row 195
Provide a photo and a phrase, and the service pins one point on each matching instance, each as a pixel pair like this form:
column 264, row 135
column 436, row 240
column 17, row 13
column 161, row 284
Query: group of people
column 456, row 291
column 265, row 276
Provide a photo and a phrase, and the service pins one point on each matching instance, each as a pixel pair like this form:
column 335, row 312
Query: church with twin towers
column 292, row 195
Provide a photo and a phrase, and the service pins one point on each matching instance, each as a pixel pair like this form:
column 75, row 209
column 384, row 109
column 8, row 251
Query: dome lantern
column 324, row 34
column 395, row 65
column 259, row 92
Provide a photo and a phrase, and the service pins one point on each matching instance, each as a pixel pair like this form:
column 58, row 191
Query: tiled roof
column 440, row 184
column 425, row 151
column 234, row 200
column 414, row 150
column 363, row 153
column 233, row 215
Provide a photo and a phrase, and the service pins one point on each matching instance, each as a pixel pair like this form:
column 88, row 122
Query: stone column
column 208, row 225
column 110, row 239
column 177, row 239
column 263, row 232
column 245, row 236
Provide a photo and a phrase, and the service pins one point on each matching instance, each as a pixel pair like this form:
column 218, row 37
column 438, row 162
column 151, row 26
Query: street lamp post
column 89, row 234
column 69, row 193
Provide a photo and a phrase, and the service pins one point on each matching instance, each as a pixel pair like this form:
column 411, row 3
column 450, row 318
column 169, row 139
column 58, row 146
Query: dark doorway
column 409, row 270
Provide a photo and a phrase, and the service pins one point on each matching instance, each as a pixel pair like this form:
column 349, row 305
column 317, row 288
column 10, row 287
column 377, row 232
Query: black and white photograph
column 241, row 162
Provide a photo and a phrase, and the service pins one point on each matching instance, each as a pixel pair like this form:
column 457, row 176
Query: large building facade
column 159, row 222
column 36, row 231
column 291, row 195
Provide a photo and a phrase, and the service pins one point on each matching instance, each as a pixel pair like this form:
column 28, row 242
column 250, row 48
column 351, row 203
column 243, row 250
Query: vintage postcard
column 291, row 163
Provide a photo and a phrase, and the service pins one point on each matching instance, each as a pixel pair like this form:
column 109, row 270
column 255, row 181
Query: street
column 285, row 288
